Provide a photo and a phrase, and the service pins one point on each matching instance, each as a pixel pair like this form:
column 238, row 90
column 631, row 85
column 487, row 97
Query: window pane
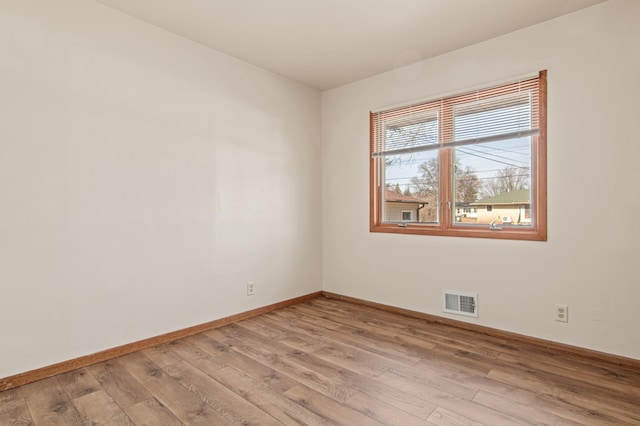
column 495, row 180
column 494, row 177
column 411, row 183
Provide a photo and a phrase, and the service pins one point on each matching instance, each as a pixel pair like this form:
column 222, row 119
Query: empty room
column 398, row 212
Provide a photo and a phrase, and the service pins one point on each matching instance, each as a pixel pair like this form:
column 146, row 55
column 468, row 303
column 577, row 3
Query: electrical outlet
column 562, row 313
column 251, row 290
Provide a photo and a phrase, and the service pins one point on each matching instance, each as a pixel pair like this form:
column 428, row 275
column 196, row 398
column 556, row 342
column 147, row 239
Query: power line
column 490, row 159
column 465, row 150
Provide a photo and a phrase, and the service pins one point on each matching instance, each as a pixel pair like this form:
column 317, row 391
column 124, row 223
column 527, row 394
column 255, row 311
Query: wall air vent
column 460, row 303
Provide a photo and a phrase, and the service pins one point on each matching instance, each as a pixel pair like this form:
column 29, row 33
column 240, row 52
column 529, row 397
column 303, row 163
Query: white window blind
column 502, row 112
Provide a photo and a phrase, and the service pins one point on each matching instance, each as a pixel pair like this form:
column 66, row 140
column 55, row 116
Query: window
column 406, row 214
column 482, row 151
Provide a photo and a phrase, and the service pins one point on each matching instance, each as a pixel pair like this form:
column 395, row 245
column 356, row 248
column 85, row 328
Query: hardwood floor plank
column 623, row 413
column 618, row 396
column 615, row 364
column 259, row 326
column 521, row 396
column 280, row 407
column 275, row 380
column 376, row 391
column 8, row 396
column 254, row 346
column 99, row 408
column 382, row 412
column 357, row 337
column 580, row 365
column 183, row 404
column 206, row 362
column 361, row 353
column 78, row 383
column 443, row 417
column 442, row 399
column 305, row 312
column 370, row 316
column 418, row 345
column 234, row 408
column 327, row 407
column 119, row 384
column 160, row 355
column 524, row 412
column 253, row 388
column 463, row 360
column 49, row 404
column 151, row 413
column 422, row 330
column 385, row 325
column 13, row 409
column 631, row 388
column 434, row 376
column 436, row 380
column 298, row 332
column 360, row 362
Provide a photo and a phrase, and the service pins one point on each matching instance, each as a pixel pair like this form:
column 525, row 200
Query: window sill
column 506, row 233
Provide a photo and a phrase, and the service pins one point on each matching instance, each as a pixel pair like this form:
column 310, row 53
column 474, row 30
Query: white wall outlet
column 562, row 313
column 251, row 289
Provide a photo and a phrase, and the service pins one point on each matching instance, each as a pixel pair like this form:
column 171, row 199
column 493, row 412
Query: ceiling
column 328, row 43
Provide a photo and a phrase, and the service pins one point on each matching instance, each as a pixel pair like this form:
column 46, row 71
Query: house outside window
column 456, row 153
column 507, row 208
column 403, row 208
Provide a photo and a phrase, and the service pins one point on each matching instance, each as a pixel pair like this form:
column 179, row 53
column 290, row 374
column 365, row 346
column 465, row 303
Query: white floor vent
column 457, row 302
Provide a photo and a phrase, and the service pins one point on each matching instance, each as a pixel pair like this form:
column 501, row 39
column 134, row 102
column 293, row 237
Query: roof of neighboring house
column 521, row 196
column 460, row 204
column 394, row 197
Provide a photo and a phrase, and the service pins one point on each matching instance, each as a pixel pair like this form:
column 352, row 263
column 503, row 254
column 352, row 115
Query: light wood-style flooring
column 332, row 362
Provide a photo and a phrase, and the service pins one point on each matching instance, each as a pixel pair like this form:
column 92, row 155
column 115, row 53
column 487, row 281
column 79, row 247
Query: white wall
column 590, row 261
column 144, row 179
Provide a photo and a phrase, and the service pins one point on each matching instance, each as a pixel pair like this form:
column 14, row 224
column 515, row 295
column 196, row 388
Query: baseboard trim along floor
column 84, row 361
column 493, row 332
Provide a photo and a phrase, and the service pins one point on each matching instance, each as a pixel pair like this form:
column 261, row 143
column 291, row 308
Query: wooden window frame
column 447, row 226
